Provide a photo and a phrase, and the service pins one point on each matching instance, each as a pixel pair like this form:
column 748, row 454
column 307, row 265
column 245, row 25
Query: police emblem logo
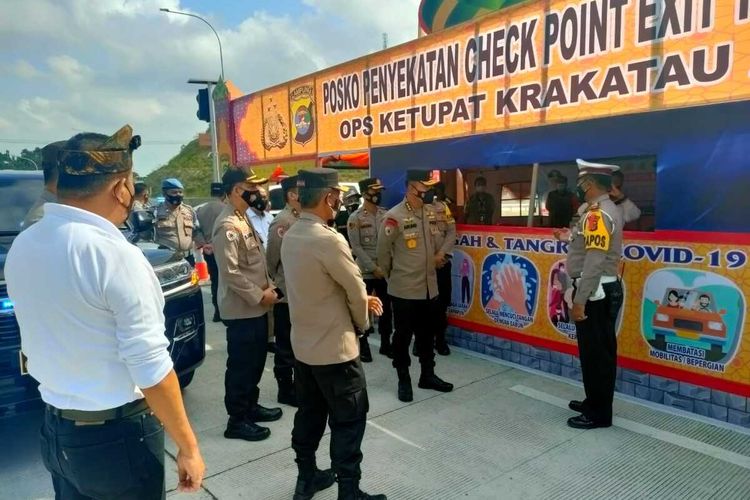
column 390, row 226
column 231, row 235
column 352, row 225
column 302, row 109
column 411, row 244
column 275, row 133
column 595, row 233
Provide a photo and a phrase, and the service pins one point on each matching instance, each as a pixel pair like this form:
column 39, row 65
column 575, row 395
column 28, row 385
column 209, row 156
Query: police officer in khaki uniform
column 141, row 197
column 444, row 242
column 207, row 215
column 246, row 293
column 175, row 221
column 328, row 304
column 408, row 256
column 594, row 251
column 283, row 361
column 363, row 228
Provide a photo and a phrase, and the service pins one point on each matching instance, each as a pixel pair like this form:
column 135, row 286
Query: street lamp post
column 221, row 54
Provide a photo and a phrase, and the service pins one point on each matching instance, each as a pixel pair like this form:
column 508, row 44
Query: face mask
column 129, row 206
column 254, row 200
column 334, row 209
column 374, row 198
column 352, row 208
column 174, row 199
column 260, row 204
column 428, row 196
column 581, row 193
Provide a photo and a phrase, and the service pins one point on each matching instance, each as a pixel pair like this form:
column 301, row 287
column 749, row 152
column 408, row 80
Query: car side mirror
column 142, row 221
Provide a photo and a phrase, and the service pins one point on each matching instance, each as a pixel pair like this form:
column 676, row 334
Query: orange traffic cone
column 201, row 267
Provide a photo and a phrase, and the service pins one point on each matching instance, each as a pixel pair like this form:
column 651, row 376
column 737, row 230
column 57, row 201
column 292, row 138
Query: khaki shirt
column 139, row 206
column 327, row 297
column 280, row 225
column 207, row 215
column 406, row 251
column 37, row 210
column 363, row 229
column 595, row 246
column 446, row 237
column 243, row 275
column 174, row 227
column 480, row 209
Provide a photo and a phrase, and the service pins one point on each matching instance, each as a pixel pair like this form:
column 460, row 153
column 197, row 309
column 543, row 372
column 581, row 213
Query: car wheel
column 185, row 379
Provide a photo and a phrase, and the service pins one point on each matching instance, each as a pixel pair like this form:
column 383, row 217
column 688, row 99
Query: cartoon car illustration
column 689, row 317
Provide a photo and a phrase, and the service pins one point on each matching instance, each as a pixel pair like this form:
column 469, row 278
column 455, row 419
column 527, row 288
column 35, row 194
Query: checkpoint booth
column 520, row 93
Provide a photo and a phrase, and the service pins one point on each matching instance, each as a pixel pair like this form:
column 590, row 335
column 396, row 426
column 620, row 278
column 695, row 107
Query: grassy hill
column 193, row 166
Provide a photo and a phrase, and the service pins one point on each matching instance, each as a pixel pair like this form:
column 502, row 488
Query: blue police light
column 6, row 305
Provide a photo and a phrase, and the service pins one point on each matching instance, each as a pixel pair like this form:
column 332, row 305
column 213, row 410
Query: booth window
column 515, row 199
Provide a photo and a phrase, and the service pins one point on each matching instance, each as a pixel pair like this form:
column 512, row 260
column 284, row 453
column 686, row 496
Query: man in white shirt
column 90, row 311
column 260, row 217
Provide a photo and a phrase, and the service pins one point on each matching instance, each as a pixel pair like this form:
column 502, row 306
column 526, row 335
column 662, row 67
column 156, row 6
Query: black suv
column 183, row 309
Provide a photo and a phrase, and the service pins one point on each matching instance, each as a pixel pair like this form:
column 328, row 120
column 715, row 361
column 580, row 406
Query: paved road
column 500, row 435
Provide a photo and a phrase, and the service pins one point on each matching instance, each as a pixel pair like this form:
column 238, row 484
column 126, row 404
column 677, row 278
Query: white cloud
column 93, row 65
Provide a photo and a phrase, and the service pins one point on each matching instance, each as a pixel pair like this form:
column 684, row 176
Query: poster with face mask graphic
column 462, row 283
column 510, row 285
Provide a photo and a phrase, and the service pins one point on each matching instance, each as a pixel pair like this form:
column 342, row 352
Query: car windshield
column 17, row 196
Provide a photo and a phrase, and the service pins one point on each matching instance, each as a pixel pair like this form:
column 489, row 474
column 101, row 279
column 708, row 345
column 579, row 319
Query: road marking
column 394, row 435
column 647, row 430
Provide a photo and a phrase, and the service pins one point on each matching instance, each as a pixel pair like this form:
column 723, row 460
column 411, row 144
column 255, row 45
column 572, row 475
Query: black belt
column 126, row 410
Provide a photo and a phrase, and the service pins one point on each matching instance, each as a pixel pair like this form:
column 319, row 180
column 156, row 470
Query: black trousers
column 597, row 346
column 416, row 318
column 337, row 393
column 465, row 290
column 444, row 300
column 283, row 360
column 247, row 342
column 385, row 323
column 213, row 272
column 121, row 458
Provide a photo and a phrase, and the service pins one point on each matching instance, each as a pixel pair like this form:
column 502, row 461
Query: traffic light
column 203, row 112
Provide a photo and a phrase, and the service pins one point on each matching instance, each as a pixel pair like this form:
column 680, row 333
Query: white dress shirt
column 261, row 223
column 90, row 311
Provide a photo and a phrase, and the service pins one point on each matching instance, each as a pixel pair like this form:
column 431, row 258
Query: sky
column 71, row 66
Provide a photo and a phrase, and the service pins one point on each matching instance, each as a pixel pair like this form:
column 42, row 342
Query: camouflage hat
column 97, row 154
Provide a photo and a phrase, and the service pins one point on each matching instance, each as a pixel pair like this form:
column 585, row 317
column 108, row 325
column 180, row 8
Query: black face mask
column 427, row 196
column 175, row 200
column 352, row 207
column 254, row 200
column 374, row 198
column 129, row 206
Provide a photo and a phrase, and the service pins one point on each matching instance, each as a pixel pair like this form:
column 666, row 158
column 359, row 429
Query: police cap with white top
column 602, row 172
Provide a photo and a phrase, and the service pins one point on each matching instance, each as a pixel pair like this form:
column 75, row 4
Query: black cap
column 423, row 176
column 288, row 183
column 320, row 178
column 237, row 175
column 371, row 183
column 217, row 189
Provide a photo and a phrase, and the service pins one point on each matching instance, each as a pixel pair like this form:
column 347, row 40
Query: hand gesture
column 513, row 289
column 374, row 305
column 579, row 312
column 269, row 298
column 190, row 471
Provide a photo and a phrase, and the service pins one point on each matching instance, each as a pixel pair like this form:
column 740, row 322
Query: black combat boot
column 287, row 393
column 263, row 414
column 349, row 490
column 241, row 428
column 312, row 480
column 365, row 354
column 428, row 380
column 405, row 392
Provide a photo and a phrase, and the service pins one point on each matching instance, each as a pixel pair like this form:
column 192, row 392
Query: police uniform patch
column 231, row 235
column 352, row 225
column 390, row 226
column 411, row 244
column 595, row 233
